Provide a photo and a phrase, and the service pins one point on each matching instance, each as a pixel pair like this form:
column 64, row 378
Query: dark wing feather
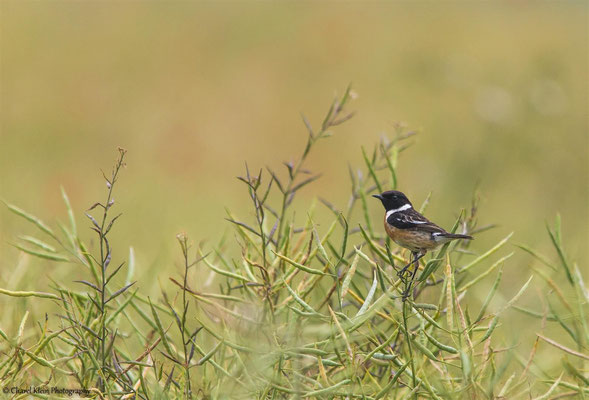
column 412, row 220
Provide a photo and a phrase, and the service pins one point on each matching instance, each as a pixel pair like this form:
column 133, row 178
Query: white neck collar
column 402, row 208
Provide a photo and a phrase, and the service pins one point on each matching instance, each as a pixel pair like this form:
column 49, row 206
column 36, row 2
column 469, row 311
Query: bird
column 411, row 230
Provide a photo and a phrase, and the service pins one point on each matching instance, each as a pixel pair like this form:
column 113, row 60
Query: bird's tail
column 457, row 236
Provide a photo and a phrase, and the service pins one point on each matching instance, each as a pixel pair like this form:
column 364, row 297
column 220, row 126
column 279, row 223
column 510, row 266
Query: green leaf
column 349, row 275
column 225, row 273
column 389, row 385
column 39, row 243
column 160, row 329
column 487, row 254
column 208, row 356
column 370, row 166
column 391, row 164
column 327, row 389
column 490, row 295
column 40, row 254
column 299, row 300
column 300, row 266
column 555, row 238
column 70, row 212
column 536, row 255
column 479, row 277
column 369, row 296
column 31, row 218
column 438, row 344
column 491, row 328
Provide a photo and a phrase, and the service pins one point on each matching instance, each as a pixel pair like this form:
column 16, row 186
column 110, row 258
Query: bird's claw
column 401, row 272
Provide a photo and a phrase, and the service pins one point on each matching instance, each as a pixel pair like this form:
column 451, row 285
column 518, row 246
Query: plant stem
column 330, row 120
column 408, row 338
column 105, row 259
column 187, row 387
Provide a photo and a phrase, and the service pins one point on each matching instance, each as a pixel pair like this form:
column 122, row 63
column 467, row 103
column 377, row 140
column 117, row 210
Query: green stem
column 187, row 388
column 103, row 261
column 408, row 338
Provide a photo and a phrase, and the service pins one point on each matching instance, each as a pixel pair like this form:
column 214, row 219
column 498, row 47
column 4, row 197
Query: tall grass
column 300, row 311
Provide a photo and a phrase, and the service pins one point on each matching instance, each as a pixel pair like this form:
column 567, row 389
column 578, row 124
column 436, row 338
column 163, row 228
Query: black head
column 392, row 199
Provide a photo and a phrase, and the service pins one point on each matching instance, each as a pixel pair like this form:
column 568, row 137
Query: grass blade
column 369, row 296
column 486, row 254
column 300, row 266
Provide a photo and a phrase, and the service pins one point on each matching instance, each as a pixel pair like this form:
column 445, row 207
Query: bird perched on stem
column 411, row 230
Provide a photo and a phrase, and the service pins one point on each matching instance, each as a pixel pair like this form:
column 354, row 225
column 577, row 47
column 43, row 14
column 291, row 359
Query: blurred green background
column 498, row 92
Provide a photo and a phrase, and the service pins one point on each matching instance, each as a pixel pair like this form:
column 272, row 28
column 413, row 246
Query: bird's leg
column 419, row 255
column 402, row 271
column 416, row 257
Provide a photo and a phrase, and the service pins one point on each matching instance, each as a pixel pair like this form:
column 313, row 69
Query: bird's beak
column 378, row 196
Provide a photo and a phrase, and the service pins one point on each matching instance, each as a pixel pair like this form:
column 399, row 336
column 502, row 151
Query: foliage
column 301, row 312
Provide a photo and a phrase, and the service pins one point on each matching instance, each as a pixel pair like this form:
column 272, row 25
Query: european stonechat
column 411, row 230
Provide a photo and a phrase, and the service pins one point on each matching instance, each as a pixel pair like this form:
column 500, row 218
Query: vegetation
column 301, row 310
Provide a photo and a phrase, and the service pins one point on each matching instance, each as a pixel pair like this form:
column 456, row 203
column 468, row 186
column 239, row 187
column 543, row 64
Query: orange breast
column 413, row 240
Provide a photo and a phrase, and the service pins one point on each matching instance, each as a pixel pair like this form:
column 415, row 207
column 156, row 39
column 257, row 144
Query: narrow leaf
column 41, row 254
column 369, row 296
column 120, row 291
column 300, row 266
column 93, row 286
column 31, row 218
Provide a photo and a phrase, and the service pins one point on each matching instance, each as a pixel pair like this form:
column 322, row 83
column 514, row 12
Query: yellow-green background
column 192, row 90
